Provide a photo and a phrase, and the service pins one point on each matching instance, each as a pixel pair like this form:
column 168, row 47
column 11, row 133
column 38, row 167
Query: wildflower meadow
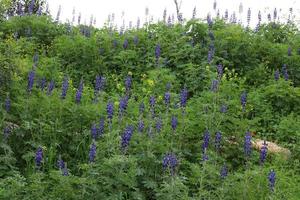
column 181, row 108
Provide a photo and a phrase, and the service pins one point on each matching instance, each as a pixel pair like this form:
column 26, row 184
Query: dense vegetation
column 166, row 111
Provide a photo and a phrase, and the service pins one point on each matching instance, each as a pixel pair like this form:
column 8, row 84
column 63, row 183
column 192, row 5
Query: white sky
column 136, row 8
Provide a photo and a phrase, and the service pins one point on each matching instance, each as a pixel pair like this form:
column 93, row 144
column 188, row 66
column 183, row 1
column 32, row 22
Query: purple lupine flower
column 101, row 127
column 223, row 108
column 6, row 132
column 220, row 70
column 204, row 156
column 39, row 12
column 141, row 108
column 138, row 23
column 64, row 88
column 125, row 44
column 248, row 16
column 206, row 139
column 218, row 140
column 20, row 9
column 152, row 102
column 128, row 83
column 247, row 144
column 169, row 21
column 259, row 17
column 167, row 98
column 110, row 110
column 183, row 97
column 233, row 18
column 58, row 13
column 214, row 85
column 180, row 18
column 174, row 122
column 79, row 92
column 275, row 14
column 209, row 20
column 99, row 83
column 289, row 51
column 31, row 7
column 94, row 131
column 218, row 14
column 7, row 104
column 35, row 59
column 39, row 157
column 115, row 43
column 158, row 125
column 276, row 75
column 123, row 105
column 168, row 87
column 79, row 18
column 226, row 15
column 211, row 52
column 272, row 179
column 263, row 153
column 215, row 5
column 164, row 15
column 223, row 172
column 136, row 40
column 92, row 153
column 60, row 164
column 126, row 137
column 211, row 35
column 31, row 76
column 157, row 51
column 42, row 83
column 285, row 72
column 65, row 171
column 50, row 87
column 170, row 162
column 244, row 100
column 210, row 56
column 141, row 126
column 269, row 17
column 194, row 13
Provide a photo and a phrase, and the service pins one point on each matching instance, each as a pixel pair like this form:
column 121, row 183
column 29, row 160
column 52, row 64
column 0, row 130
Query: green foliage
column 62, row 127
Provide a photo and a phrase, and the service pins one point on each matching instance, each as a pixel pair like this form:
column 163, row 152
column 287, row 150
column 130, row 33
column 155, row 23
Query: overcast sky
column 133, row 9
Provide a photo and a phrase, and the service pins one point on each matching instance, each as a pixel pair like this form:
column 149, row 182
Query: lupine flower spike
column 7, row 104
column 170, row 162
column 141, row 126
column 31, row 76
column 174, row 123
column 247, row 144
column 94, row 132
column 39, row 157
column 92, row 153
column 152, row 102
column 272, row 179
column 263, row 153
column 64, row 88
column 244, row 100
column 126, row 137
column 218, row 140
column 101, row 127
column 110, row 112
column 276, row 75
column 79, row 92
column 206, row 139
column 223, row 172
